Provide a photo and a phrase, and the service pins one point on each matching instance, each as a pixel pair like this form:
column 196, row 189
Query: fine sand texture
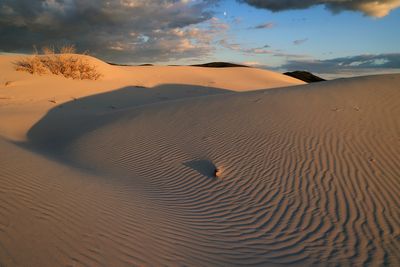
column 188, row 166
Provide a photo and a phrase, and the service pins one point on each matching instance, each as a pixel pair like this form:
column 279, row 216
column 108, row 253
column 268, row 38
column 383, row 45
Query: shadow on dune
column 68, row 121
column 205, row 167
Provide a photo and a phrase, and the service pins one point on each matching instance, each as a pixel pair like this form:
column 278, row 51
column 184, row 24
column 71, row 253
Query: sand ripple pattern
column 310, row 176
column 298, row 186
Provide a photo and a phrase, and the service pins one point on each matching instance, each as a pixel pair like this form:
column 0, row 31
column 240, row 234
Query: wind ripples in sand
column 306, row 182
column 306, row 176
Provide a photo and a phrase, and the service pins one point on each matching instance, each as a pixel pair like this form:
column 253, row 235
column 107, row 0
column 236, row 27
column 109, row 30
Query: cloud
column 129, row 31
column 265, row 50
column 252, row 63
column 375, row 8
column 267, row 25
column 345, row 65
column 237, row 20
column 300, row 41
column 118, row 30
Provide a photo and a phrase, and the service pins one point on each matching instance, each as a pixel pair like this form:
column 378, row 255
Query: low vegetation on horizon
column 63, row 62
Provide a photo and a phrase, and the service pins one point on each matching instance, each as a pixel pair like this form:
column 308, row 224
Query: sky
column 332, row 38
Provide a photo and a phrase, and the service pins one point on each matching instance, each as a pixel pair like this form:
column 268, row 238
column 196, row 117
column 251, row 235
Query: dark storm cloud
column 376, row 8
column 337, row 65
column 120, row 30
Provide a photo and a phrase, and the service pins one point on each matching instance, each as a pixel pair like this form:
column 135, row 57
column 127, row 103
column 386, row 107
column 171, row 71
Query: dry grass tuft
column 65, row 63
column 68, row 49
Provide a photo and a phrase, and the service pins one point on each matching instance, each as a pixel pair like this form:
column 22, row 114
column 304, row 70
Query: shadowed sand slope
column 307, row 175
column 73, row 119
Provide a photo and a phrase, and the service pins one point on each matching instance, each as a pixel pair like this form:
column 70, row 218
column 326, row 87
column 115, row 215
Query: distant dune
column 188, row 166
column 206, row 65
column 305, row 76
column 128, row 65
column 220, row 65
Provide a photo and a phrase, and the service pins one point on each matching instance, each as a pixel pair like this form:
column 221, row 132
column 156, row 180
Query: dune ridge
column 309, row 176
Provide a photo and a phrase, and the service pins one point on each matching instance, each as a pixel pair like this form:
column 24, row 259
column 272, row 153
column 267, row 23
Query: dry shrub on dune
column 65, row 63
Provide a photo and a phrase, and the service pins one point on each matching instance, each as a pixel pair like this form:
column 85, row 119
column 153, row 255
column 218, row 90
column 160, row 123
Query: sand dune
column 307, row 175
column 25, row 98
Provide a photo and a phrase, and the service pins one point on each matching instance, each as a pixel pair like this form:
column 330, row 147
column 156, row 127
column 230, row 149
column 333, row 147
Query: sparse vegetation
column 63, row 62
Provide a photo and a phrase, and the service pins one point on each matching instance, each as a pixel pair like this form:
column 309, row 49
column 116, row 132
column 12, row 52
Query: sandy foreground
column 120, row 171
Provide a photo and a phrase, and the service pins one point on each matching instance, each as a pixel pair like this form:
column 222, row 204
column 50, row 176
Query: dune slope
column 25, row 98
column 172, row 166
column 307, row 175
